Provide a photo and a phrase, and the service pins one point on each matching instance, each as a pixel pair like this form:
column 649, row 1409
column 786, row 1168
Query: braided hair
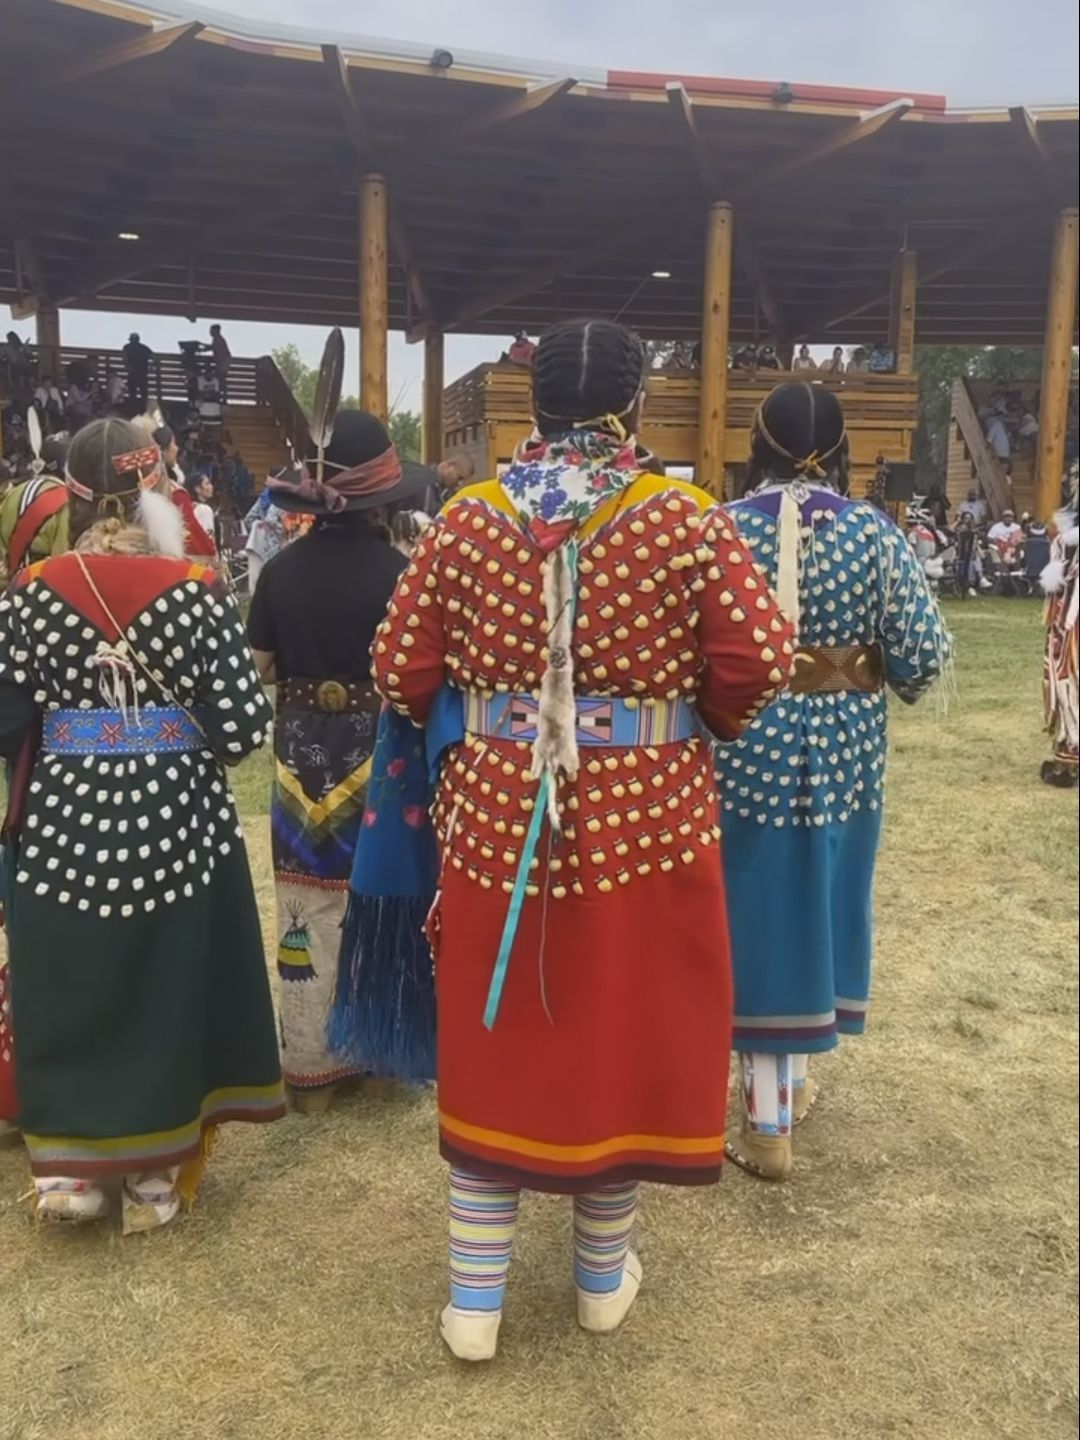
column 584, row 370
column 799, row 434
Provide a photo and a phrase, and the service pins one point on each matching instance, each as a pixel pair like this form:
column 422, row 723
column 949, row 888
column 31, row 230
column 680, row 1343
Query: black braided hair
column 803, row 420
column 584, row 369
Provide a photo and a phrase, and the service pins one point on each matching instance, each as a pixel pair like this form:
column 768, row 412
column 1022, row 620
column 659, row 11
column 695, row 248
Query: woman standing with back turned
column 802, row 787
column 584, row 609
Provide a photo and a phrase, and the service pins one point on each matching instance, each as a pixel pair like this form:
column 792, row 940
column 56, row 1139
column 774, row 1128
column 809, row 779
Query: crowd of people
column 682, row 355
column 507, row 736
column 968, row 554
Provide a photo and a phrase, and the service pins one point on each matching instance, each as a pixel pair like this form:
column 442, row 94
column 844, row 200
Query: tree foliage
column 938, row 367
column 301, row 379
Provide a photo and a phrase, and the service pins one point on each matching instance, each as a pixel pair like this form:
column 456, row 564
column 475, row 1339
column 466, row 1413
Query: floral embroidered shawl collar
column 556, row 484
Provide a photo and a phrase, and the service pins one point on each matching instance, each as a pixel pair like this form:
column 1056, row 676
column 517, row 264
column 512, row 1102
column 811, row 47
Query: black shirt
column 319, row 601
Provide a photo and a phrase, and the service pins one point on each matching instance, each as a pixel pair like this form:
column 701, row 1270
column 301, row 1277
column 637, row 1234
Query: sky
column 976, row 52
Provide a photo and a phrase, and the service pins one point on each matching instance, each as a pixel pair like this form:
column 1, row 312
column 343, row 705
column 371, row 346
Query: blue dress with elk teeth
column 801, row 789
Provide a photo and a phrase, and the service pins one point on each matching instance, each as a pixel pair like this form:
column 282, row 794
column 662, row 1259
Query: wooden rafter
column 1027, row 127
column 475, row 306
column 503, row 112
column 125, row 52
column 682, row 108
column 363, row 143
column 124, row 262
column 871, row 124
column 969, row 253
column 746, row 253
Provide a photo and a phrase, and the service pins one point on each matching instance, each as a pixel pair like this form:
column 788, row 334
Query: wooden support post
column 433, row 393
column 902, row 311
column 715, row 324
column 374, row 303
column 1057, row 363
column 48, row 340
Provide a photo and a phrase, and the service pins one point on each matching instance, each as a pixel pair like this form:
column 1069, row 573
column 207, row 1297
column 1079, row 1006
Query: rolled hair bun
column 583, row 370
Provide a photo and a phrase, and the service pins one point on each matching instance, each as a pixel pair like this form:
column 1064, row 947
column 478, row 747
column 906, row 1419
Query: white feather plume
column 163, row 523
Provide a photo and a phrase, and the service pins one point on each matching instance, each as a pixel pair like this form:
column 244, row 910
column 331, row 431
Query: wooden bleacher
column 487, row 412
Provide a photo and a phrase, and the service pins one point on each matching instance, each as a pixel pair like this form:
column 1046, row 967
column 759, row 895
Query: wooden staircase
column 972, row 464
column 254, row 432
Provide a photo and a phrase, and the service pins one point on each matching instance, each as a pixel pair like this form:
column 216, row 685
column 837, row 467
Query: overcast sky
column 973, row 51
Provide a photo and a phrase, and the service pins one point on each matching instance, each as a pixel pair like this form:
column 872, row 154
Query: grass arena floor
column 917, row 1279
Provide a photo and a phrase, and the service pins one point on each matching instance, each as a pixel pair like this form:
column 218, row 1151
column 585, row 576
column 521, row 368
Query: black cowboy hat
column 359, row 438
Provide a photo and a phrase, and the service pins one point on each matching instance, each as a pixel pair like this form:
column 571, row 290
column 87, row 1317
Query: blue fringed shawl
column 383, row 1015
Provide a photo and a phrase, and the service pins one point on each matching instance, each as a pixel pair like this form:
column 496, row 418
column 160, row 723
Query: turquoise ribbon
column 528, row 853
column 517, row 900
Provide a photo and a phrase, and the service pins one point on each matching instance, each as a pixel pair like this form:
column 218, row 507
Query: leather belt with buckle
column 331, row 697
column 836, row 667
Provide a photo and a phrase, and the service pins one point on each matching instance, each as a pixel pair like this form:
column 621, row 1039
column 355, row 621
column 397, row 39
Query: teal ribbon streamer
column 528, row 853
column 517, row 900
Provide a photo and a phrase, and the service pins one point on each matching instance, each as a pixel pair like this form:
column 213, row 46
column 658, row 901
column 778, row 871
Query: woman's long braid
column 584, row 369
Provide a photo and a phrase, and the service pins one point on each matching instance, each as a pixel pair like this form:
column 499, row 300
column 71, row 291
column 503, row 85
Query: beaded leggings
column 768, row 1084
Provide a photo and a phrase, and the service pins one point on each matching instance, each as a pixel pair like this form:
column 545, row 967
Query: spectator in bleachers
column 1007, row 537
column 222, row 356
column 50, row 404
column 523, row 349
column 975, row 506
column 859, row 363
column 137, row 357
column 835, row 364
column 882, row 359
column 997, row 436
column 804, row 360
column 767, row 358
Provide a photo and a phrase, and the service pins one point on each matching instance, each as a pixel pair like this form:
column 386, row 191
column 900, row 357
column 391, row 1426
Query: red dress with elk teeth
column 608, row 1059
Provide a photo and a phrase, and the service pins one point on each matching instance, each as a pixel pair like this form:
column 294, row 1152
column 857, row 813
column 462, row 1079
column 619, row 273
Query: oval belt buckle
column 332, row 696
column 803, row 672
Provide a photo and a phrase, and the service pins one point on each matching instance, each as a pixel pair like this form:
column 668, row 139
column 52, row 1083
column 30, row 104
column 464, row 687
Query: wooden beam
column 902, row 311
column 367, row 152
column 434, row 381
column 715, row 330
column 112, row 57
column 972, row 250
column 1057, row 363
column 1027, row 128
column 473, row 306
column 871, row 124
column 502, row 113
column 374, row 308
column 682, row 107
column 128, row 259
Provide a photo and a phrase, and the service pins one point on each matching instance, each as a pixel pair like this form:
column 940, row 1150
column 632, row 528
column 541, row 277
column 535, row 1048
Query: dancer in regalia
column 313, row 618
column 1060, row 693
column 587, row 610
column 801, row 789
column 138, row 981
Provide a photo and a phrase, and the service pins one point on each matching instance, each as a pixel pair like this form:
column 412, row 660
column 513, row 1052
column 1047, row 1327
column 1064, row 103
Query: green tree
column 938, row 367
column 302, row 379
column 405, row 433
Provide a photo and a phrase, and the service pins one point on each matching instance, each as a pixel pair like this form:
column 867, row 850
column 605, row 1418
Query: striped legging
column 483, row 1218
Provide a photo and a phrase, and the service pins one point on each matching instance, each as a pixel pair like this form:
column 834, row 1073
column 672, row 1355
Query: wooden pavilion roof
column 518, row 194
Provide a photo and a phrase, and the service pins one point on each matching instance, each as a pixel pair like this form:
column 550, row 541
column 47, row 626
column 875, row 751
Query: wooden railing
column 488, row 410
column 274, row 391
column 989, row 471
column 168, row 378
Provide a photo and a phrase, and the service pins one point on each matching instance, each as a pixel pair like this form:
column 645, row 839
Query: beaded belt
column 836, row 667
column 607, row 721
column 331, row 697
column 161, row 730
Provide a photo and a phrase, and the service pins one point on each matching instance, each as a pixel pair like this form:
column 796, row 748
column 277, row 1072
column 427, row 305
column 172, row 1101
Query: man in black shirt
column 137, row 357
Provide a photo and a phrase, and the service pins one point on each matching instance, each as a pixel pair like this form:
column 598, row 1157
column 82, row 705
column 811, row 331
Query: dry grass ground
column 918, row 1278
